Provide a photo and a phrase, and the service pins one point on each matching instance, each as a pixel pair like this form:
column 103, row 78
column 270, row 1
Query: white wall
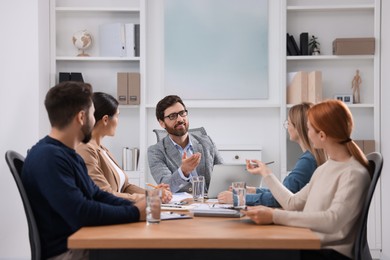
column 24, row 73
column 19, row 92
column 385, row 128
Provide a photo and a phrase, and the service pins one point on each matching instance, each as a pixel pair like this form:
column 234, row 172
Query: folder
column 127, row 159
column 112, row 40
column 133, row 84
column 122, row 90
column 130, row 39
column 297, row 89
column 314, row 86
column 137, row 35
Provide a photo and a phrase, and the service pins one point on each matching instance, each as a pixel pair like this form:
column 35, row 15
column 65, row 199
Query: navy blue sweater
column 64, row 198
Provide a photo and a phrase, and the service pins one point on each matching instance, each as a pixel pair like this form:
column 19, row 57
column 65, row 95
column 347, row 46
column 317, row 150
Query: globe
column 82, row 40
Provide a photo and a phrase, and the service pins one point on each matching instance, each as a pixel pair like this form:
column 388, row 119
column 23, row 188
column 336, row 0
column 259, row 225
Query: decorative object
column 356, row 81
column 348, row 99
column 354, row 46
column 314, row 46
column 82, row 40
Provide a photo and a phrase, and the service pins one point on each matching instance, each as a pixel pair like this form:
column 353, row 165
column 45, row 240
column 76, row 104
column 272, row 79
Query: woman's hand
column 260, row 214
column 257, row 167
column 250, row 190
column 225, row 197
column 166, row 195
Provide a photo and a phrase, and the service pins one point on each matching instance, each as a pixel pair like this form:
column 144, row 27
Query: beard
column 87, row 131
column 177, row 132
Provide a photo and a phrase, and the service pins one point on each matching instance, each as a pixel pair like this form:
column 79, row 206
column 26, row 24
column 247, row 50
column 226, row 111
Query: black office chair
column 161, row 133
column 362, row 250
column 15, row 163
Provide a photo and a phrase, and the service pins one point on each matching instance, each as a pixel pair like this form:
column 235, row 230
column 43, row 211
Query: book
column 295, row 45
column 112, row 40
column 314, row 86
column 290, row 46
column 297, row 88
column 76, row 76
column 304, row 43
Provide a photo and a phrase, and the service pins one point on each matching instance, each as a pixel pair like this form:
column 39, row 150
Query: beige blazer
column 104, row 174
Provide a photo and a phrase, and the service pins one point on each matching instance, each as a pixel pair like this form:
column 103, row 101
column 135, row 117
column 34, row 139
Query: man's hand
column 188, row 164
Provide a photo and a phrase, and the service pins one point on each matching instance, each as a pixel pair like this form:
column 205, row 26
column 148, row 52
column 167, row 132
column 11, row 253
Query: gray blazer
column 164, row 160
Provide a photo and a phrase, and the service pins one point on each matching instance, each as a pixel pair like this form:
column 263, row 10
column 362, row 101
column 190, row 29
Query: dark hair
column 105, row 104
column 65, row 100
column 335, row 119
column 165, row 103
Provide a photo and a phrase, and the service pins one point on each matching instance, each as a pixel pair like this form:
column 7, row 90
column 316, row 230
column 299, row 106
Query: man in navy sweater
column 62, row 195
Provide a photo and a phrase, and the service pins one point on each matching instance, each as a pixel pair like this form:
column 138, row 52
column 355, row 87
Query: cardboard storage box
column 354, row 46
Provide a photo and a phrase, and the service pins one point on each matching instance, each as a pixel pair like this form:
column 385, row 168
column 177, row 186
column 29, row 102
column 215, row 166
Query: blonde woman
column 300, row 175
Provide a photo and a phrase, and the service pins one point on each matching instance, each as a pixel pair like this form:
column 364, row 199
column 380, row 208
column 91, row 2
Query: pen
column 171, row 206
column 256, row 165
column 151, row 185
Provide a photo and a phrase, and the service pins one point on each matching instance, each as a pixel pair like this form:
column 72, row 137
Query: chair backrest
column 361, row 248
column 15, row 163
column 161, row 133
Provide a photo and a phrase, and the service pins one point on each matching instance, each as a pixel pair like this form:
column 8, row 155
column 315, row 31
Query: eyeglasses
column 173, row 116
column 286, row 124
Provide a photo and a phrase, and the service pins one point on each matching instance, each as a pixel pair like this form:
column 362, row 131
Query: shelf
column 223, row 104
column 75, row 58
column 349, row 105
column 128, row 106
column 96, row 9
column 331, row 57
column 330, row 7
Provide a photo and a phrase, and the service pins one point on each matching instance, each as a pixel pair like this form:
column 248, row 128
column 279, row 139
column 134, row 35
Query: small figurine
column 356, row 87
column 314, row 46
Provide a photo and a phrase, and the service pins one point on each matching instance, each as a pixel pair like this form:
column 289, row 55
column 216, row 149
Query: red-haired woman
column 330, row 204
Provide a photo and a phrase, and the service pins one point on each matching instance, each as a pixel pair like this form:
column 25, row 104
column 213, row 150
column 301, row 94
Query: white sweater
column 330, row 204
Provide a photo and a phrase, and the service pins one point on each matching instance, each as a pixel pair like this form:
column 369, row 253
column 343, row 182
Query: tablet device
column 224, row 174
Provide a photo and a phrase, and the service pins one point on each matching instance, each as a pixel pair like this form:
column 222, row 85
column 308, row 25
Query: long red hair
column 335, row 119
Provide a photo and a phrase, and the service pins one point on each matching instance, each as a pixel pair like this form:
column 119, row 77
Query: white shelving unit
column 328, row 20
column 70, row 16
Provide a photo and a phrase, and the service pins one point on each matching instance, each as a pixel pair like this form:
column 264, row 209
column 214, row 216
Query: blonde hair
column 335, row 119
column 298, row 117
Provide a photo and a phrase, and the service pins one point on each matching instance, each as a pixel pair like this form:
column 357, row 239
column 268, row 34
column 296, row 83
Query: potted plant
column 314, row 46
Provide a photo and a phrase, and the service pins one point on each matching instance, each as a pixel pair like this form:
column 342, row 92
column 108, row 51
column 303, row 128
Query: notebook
column 224, row 174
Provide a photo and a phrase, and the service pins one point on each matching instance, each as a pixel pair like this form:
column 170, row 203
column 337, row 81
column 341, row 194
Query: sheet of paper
column 179, row 196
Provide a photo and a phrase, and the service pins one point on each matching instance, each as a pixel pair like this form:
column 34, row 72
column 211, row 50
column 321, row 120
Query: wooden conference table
column 196, row 238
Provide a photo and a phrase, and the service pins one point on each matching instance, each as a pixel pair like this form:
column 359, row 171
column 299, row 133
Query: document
column 179, row 196
column 215, row 210
column 174, row 215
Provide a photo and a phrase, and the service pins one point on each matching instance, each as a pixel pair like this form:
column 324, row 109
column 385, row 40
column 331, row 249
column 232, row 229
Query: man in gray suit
column 180, row 155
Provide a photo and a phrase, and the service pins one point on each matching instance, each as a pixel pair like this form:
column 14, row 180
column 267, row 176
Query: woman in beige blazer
column 102, row 166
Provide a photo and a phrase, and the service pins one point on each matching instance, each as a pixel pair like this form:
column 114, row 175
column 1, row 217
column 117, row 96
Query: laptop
column 224, row 174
